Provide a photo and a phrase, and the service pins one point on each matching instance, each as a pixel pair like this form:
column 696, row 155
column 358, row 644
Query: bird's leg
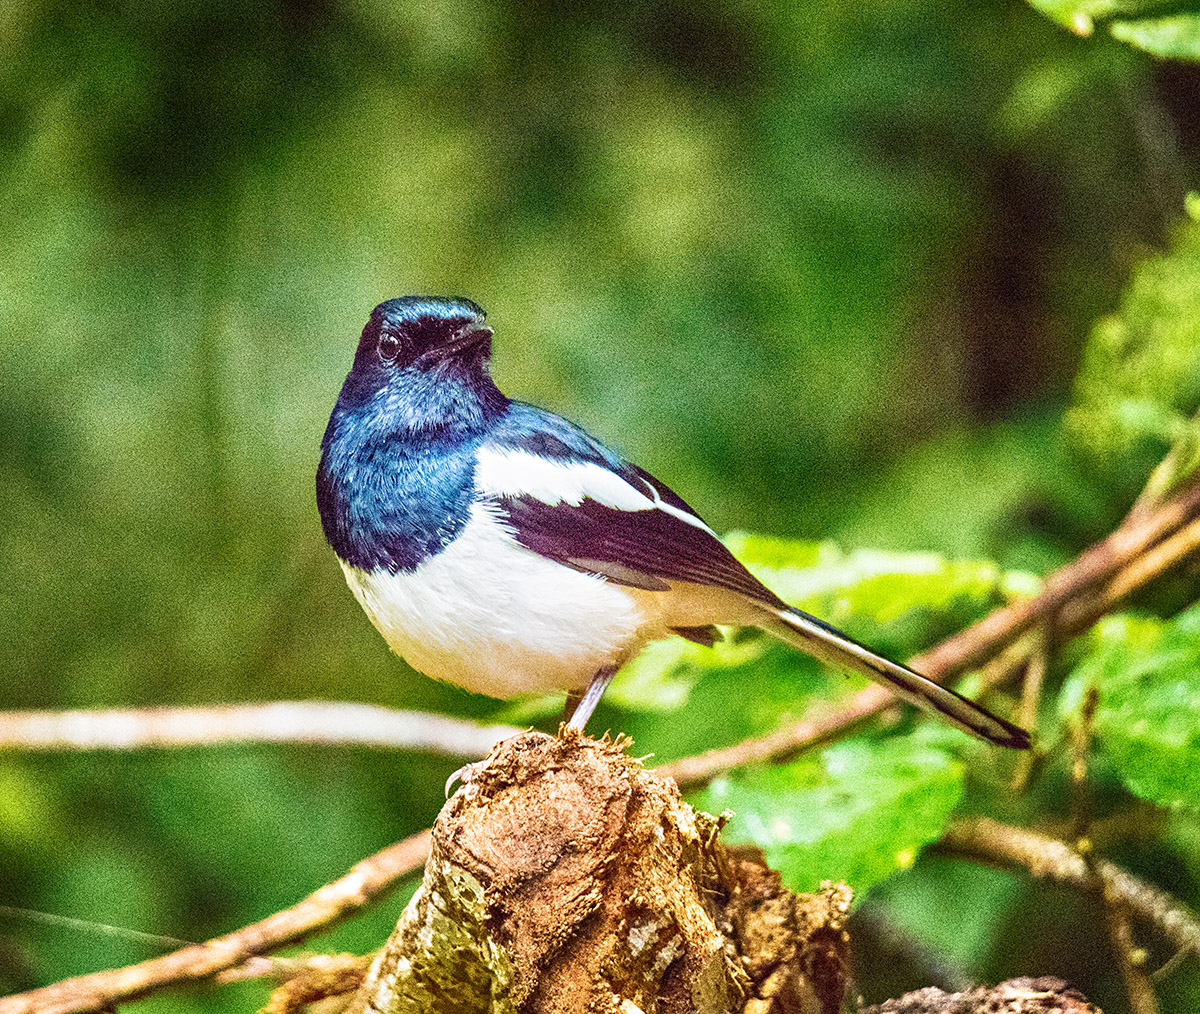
column 571, row 703
column 576, row 712
column 591, row 697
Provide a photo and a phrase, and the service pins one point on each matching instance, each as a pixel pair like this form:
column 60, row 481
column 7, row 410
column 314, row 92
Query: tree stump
column 565, row 877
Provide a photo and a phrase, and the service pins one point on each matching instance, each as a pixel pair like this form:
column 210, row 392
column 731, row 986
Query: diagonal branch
column 1142, row 549
column 366, row 882
column 1097, row 564
column 985, row 839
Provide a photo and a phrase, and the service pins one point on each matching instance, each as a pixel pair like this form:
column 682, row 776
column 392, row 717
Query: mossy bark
column 566, row 877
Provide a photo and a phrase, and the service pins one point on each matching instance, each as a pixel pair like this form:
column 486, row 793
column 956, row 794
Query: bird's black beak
column 470, row 339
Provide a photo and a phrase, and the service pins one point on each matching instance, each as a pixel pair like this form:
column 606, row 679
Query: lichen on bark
column 566, row 877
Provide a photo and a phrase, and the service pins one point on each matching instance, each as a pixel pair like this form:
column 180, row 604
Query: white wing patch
column 515, row 473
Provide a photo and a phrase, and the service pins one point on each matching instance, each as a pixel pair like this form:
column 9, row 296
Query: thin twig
column 989, row 840
column 1081, row 744
column 308, row 723
column 1177, row 467
column 1138, row 573
column 1131, row 960
column 366, row 882
column 1031, row 699
column 1035, row 677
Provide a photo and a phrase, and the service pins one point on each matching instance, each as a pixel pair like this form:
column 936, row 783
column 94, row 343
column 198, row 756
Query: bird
column 500, row 547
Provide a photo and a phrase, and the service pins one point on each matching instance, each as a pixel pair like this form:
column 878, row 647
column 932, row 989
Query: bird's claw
column 464, row 775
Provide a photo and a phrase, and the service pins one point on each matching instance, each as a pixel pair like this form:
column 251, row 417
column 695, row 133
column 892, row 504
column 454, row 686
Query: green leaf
column 857, row 812
column 1147, row 673
column 1176, row 37
column 1159, row 28
column 661, row 677
column 865, row 589
column 874, row 584
column 1077, row 15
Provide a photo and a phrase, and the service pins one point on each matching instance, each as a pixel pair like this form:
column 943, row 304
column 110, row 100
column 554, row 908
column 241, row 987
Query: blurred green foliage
column 827, row 269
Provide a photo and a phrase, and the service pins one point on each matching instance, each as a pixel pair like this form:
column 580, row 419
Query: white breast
column 496, row 618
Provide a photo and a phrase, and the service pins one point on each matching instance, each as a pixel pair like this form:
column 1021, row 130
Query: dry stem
column 990, row 841
column 308, row 723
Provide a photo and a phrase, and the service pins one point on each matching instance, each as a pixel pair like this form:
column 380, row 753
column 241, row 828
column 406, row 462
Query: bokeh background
column 829, row 269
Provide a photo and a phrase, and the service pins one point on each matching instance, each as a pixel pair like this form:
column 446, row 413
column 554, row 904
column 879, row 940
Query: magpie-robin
column 502, row 548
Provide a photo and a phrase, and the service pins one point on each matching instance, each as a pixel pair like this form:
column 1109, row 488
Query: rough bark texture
column 1044, row 995
column 565, row 877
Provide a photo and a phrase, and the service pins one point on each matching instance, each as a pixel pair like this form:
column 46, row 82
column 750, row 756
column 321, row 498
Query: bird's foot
column 464, row 775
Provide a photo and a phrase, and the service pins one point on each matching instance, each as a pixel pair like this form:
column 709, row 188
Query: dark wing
column 570, row 499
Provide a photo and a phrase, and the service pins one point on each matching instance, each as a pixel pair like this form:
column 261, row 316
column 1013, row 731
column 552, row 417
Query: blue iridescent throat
column 396, row 481
column 388, row 503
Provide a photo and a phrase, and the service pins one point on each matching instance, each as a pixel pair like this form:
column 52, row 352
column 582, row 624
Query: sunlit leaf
column 1078, row 15
column 662, row 676
column 1175, row 35
column 873, row 584
column 856, row 812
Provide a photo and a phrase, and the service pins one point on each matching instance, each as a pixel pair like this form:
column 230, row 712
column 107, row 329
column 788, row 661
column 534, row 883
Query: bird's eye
column 388, row 348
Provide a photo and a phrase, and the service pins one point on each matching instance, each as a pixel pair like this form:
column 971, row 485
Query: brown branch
column 988, row 840
column 1137, row 534
column 698, row 770
column 1079, row 615
column 309, row 723
column 1037, row 663
column 98, row 991
column 1138, row 573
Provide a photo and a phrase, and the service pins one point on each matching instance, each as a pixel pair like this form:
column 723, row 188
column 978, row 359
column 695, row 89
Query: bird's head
column 422, row 361
column 423, row 333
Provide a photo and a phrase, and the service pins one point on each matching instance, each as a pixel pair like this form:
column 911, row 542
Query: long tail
column 830, row 645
